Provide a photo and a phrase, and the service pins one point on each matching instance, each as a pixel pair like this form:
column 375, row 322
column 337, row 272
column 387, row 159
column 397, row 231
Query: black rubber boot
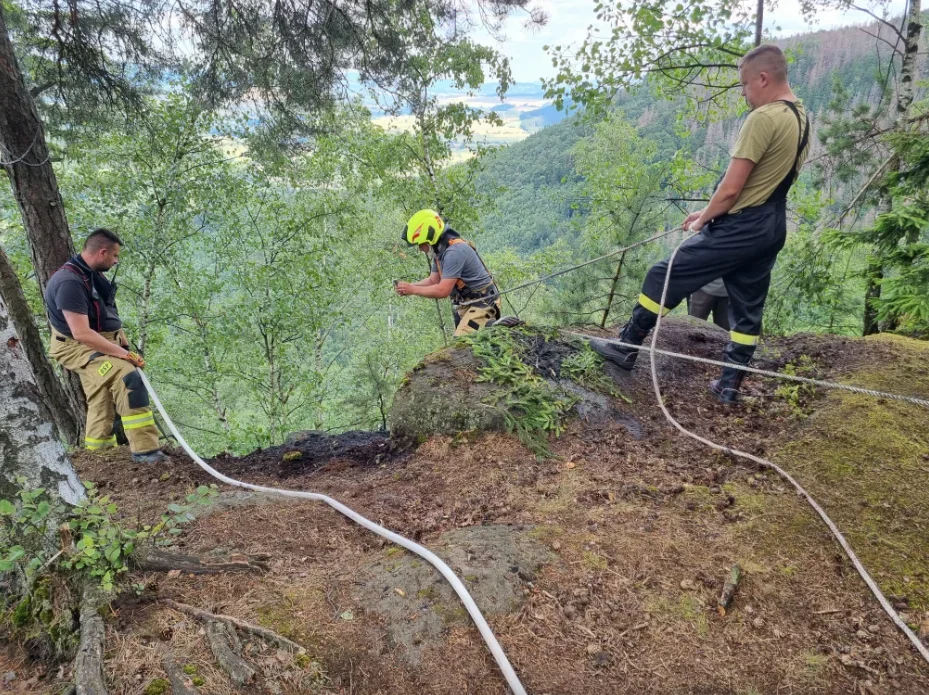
column 635, row 331
column 727, row 387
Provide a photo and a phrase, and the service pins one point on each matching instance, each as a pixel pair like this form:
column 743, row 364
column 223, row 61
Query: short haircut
column 101, row 239
column 767, row 58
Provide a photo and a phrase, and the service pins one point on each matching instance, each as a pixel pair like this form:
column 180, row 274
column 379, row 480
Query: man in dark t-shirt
column 88, row 338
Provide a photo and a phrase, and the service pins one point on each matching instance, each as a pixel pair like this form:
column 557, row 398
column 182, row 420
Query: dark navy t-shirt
column 66, row 291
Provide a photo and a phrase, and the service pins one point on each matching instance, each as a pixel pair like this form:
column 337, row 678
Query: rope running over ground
column 754, row 370
column 872, row 585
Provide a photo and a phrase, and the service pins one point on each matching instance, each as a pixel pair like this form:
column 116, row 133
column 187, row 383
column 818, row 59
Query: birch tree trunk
column 54, row 396
column 29, row 446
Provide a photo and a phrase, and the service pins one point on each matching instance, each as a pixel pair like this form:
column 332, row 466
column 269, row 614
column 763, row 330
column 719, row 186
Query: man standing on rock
column 457, row 271
column 744, row 224
column 88, row 338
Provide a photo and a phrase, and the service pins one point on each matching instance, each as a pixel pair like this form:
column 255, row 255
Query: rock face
column 445, row 394
column 442, row 396
column 418, row 605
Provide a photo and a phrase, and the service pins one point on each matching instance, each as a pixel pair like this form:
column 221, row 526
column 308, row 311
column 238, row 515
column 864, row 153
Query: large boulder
column 442, row 396
column 455, row 390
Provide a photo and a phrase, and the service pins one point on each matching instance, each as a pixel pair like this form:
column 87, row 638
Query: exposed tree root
column 264, row 633
column 88, row 666
column 225, row 646
column 157, row 560
column 181, row 684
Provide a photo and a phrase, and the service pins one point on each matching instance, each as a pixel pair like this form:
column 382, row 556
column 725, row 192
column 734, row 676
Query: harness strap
column 803, row 140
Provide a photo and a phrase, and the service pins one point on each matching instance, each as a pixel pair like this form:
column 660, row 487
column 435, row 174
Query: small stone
column 874, row 629
column 135, row 481
column 687, row 585
column 861, row 634
column 758, row 623
column 924, row 627
column 593, row 649
column 748, row 610
column 9, row 676
column 715, row 490
column 556, row 546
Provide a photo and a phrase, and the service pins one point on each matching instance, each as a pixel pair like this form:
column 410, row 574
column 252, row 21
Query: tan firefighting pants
column 111, row 386
column 476, row 317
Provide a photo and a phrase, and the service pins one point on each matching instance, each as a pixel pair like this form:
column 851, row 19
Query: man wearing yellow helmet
column 457, row 272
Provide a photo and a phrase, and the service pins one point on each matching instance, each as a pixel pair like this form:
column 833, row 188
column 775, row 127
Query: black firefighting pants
column 740, row 248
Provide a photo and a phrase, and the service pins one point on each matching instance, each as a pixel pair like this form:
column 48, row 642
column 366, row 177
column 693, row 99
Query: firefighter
column 457, row 272
column 746, row 223
column 88, row 338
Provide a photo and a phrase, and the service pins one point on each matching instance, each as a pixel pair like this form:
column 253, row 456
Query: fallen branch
column 221, row 641
column 88, row 665
column 732, row 583
column 264, row 633
column 156, row 560
column 181, row 684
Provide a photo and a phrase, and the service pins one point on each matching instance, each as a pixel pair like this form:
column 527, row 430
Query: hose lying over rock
column 505, row 667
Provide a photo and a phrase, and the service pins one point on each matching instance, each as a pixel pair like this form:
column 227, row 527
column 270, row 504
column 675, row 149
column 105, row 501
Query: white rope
column 572, row 268
column 505, row 667
column 754, row 370
column 872, row 585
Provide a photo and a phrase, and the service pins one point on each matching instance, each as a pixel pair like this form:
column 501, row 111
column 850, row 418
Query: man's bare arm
column 725, row 196
column 83, row 333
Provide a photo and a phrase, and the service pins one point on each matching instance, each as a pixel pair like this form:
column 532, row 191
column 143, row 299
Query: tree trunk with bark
column 50, row 389
column 29, row 446
column 25, row 157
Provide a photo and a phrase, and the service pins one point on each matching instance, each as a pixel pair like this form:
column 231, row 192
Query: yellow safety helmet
column 425, row 227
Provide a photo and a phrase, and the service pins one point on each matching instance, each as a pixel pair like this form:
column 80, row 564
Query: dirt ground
column 598, row 570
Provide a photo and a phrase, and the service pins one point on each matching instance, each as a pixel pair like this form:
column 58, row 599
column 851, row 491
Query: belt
column 62, row 338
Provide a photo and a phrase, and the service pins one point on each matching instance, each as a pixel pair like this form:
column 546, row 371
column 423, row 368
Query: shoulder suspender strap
column 804, row 133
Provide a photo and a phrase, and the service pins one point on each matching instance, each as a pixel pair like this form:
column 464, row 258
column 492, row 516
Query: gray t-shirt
column 460, row 261
column 717, row 288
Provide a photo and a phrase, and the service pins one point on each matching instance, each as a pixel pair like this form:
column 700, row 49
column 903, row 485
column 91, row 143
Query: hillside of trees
column 232, row 147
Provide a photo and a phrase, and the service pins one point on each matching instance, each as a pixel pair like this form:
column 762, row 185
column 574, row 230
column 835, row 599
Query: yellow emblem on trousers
column 104, row 368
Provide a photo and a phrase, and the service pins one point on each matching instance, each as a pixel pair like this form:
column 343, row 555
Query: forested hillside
column 535, row 184
column 234, row 214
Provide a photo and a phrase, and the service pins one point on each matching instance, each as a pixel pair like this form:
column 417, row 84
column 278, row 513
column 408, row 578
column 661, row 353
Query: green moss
column 303, row 660
column 22, row 614
column 190, row 669
column 594, row 561
column 159, row 686
column 865, row 462
column 198, row 681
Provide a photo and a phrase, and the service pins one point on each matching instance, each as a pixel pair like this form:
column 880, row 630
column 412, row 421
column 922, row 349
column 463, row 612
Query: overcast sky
column 568, row 21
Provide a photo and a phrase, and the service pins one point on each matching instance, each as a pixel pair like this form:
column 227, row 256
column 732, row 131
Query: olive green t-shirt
column 769, row 137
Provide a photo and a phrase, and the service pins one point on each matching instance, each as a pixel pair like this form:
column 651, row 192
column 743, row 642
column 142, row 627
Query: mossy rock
column 442, row 396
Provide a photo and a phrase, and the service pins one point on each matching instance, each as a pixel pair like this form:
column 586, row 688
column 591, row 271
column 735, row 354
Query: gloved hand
column 136, row 359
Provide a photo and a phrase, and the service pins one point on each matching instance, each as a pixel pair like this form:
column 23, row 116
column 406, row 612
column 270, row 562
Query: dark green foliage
column 533, row 408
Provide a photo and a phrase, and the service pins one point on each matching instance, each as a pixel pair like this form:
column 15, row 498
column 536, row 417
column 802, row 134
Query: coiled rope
column 505, row 667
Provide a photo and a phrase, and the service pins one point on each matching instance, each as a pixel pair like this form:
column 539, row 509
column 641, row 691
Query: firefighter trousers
column 741, row 249
column 475, row 317
column 111, row 386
